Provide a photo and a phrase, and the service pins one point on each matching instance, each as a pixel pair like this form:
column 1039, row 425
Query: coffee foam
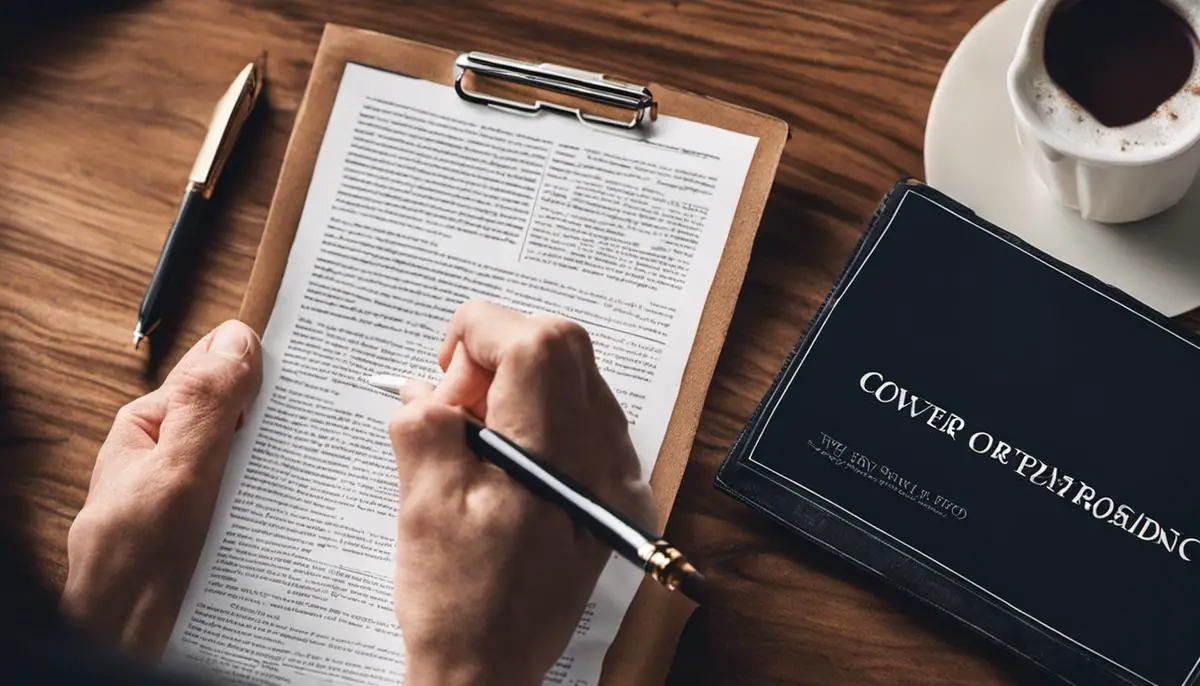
column 1178, row 118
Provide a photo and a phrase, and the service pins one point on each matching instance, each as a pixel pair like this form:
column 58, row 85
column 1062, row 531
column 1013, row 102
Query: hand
column 134, row 545
column 490, row 580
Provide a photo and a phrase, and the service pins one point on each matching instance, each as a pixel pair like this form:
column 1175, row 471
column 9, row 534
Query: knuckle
column 470, row 311
column 130, row 413
column 139, row 413
column 562, row 331
column 550, row 336
column 128, row 410
column 498, row 508
column 417, row 422
column 488, row 500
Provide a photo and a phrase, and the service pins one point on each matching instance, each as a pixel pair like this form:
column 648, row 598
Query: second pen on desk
column 658, row 558
column 231, row 112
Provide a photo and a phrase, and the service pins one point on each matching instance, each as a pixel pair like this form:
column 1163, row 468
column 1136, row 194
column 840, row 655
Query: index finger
column 485, row 329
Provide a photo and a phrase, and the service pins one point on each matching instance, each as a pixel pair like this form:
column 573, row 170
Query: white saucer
column 972, row 154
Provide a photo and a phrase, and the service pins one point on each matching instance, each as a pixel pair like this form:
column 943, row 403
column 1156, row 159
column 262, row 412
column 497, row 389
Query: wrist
column 132, row 606
column 425, row 672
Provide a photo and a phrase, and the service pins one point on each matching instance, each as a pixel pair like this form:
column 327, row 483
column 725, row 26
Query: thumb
column 208, row 372
column 206, row 393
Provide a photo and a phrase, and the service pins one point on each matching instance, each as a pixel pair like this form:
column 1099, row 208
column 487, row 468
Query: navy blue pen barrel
column 625, row 537
column 178, row 252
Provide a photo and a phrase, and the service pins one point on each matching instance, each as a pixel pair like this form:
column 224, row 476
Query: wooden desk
column 102, row 113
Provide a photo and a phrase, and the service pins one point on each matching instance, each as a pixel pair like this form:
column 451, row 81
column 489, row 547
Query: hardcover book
column 1001, row 436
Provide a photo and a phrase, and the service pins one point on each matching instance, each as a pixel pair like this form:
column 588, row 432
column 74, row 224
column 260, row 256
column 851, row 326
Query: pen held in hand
column 658, row 558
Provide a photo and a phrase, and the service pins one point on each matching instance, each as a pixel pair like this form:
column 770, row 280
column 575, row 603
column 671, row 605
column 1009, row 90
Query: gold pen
column 230, row 114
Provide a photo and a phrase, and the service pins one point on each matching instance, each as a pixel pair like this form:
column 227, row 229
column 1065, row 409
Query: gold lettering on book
column 1042, row 474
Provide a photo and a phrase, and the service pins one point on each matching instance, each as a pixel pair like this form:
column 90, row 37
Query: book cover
column 1001, row 436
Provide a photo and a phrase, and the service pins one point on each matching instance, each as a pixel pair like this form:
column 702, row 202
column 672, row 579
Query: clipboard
column 646, row 641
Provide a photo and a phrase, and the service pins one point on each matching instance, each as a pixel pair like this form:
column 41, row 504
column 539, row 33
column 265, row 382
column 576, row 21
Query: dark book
column 1000, row 435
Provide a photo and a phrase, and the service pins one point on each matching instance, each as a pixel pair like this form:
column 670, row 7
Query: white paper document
column 418, row 203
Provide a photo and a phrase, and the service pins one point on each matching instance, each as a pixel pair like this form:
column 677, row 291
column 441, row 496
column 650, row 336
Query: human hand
column 133, row 547
column 490, row 580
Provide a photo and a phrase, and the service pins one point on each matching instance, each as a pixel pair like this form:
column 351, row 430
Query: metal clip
column 585, row 85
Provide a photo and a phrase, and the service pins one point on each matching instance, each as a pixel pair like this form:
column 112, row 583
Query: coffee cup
column 1078, row 103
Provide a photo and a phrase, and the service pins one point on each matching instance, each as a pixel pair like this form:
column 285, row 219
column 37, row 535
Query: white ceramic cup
column 1105, row 185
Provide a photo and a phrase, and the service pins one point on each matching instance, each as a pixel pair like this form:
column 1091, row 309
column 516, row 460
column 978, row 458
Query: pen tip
column 260, row 62
column 388, row 383
column 137, row 340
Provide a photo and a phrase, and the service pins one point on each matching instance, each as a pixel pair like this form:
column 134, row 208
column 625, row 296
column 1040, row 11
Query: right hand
column 490, row 580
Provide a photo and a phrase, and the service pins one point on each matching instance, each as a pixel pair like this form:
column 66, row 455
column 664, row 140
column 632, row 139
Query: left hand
column 134, row 545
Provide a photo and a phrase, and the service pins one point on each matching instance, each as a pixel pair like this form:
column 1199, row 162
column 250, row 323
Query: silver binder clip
column 585, row 85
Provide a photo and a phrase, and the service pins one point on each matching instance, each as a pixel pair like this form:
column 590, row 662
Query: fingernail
column 232, row 340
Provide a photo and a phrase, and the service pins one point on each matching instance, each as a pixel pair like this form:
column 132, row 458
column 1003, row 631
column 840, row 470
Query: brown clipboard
column 650, row 631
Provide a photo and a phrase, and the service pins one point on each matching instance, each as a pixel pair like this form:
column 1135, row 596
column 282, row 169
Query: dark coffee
column 1119, row 59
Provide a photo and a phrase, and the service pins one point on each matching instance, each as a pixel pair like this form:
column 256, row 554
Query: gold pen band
column 666, row 564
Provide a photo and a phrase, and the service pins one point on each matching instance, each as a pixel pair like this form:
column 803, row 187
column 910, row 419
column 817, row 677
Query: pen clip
column 230, row 113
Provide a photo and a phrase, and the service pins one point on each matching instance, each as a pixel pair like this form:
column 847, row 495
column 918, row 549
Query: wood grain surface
column 102, row 111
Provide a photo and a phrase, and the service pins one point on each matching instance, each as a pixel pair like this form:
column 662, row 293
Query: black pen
column 658, row 558
column 230, row 114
